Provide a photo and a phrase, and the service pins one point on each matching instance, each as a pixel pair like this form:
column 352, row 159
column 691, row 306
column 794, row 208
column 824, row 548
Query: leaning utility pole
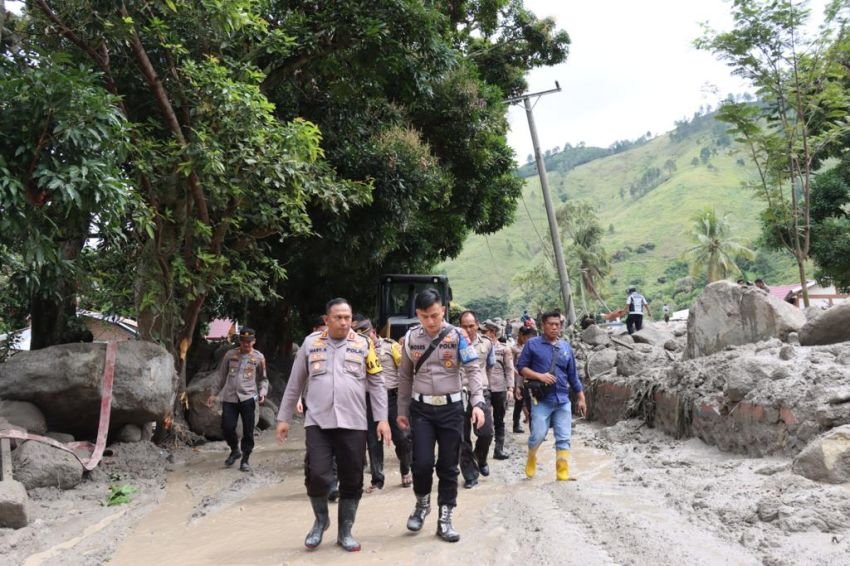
column 566, row 294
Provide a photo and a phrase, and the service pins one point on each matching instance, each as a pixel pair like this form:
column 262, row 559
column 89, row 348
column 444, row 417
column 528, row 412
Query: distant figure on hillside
column 666, row 310
column 760, row 284
column 525, row 316
column 635, row 306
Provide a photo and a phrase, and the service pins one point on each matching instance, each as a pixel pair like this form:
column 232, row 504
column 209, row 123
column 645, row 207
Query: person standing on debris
column 522, row 400
column 242, row 382
column 473, row 460
column 501, row 381
column 636, row 304
column 430, row 403
column 340, row 368
column 666, row 310
column 549, row 360
column 389, row 353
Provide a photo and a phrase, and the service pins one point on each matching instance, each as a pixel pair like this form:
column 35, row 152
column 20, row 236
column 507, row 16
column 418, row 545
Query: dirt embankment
column 640, row 498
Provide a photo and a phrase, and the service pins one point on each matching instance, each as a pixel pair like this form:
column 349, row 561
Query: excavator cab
column 396, row 296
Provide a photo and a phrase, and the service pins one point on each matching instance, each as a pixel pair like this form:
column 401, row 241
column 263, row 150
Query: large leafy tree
column 831, row 225
column 61, row 183
column 219, row 175
column 801, row 113
column 715, row 249
column 405, row 97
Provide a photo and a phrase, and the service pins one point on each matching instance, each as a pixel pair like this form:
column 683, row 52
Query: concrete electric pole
column 566, row 293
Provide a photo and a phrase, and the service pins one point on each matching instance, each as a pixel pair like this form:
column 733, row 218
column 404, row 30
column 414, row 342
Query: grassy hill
column 672, row 176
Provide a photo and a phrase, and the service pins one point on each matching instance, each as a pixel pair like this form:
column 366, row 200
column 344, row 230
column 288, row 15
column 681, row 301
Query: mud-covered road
column 639, row 498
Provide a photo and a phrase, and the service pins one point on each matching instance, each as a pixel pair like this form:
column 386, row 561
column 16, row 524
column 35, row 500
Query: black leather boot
column 244, row 466
column 235, row 454
column 445, row 530
column 499, row 452
column 417, row 518
column 347, row 512
column 321, row 524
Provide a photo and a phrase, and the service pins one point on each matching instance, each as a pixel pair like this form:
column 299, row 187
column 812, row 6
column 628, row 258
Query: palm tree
column 715, row 250
column 578, row 221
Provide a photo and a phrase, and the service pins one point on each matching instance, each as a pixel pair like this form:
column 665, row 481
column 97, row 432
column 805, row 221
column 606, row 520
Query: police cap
column 247, row 334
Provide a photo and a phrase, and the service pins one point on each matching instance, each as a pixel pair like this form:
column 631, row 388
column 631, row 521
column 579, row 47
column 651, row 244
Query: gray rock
column 143, row 390
column 787, row 352
column 129, row 433
column 40, row 465
column 595, row 336
column 25, row 415
column 268, row 418
column 832, row 326
column 738, row 384
column 13, row 505
column 793, row 338
column 651, row 334
column 633, row 362
column 812, row 312
column 827, row 458
column 204, row 420
column 768, row 509
column 727, row 315
column 602, row 361
column 672, row 345
column 60, row 437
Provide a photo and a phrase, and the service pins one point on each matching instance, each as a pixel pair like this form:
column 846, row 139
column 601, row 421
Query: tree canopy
column 179, row 160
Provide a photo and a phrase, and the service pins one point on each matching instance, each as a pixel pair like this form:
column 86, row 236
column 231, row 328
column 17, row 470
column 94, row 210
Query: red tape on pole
column 92, row 461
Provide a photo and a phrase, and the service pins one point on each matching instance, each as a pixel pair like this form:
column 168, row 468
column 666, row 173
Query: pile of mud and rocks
column 749, row 374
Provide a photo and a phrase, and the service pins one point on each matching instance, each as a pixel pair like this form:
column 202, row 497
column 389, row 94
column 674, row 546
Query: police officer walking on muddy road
column 501, row 380
column 340, row 368
column 430, row 403
column 389, row 354
column 473, row 458
column 242, row 383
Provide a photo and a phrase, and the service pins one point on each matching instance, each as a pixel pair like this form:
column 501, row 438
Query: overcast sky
column 632, row 67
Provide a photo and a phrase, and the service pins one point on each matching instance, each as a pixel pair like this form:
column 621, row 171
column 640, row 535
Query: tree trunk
column 54, row 315
column 801, row 267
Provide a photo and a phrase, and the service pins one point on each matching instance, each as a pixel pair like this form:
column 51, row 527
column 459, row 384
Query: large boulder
column 205, row 420
column 65, row 383
column 13, row 505
column 827, row 458
column 40, row 465
column 595, row 336
column 651, row 334
column 830, row 327
column 730, row 315
column 23, row 414
column 601, row 361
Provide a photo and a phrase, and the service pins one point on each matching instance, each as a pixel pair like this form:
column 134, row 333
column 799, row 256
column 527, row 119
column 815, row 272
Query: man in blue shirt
column 548, row 359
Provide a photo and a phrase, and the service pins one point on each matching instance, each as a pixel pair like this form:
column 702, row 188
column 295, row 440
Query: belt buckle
column 439, row 400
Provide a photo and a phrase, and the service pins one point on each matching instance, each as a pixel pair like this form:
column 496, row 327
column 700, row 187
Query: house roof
column 219, row 329
column 780, row 291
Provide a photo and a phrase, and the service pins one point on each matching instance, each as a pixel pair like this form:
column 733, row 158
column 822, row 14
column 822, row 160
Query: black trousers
column 634, row 322
column 441, row 426
column 499, row 399
column 230, row 413
column 401, row 440
column 518, row 405
column 348, row 447
column 471, row 458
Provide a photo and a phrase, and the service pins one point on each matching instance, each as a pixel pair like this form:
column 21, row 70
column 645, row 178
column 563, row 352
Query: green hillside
column 657, row 222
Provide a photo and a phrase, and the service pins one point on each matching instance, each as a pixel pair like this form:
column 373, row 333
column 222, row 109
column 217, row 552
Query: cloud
column 632, row 68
